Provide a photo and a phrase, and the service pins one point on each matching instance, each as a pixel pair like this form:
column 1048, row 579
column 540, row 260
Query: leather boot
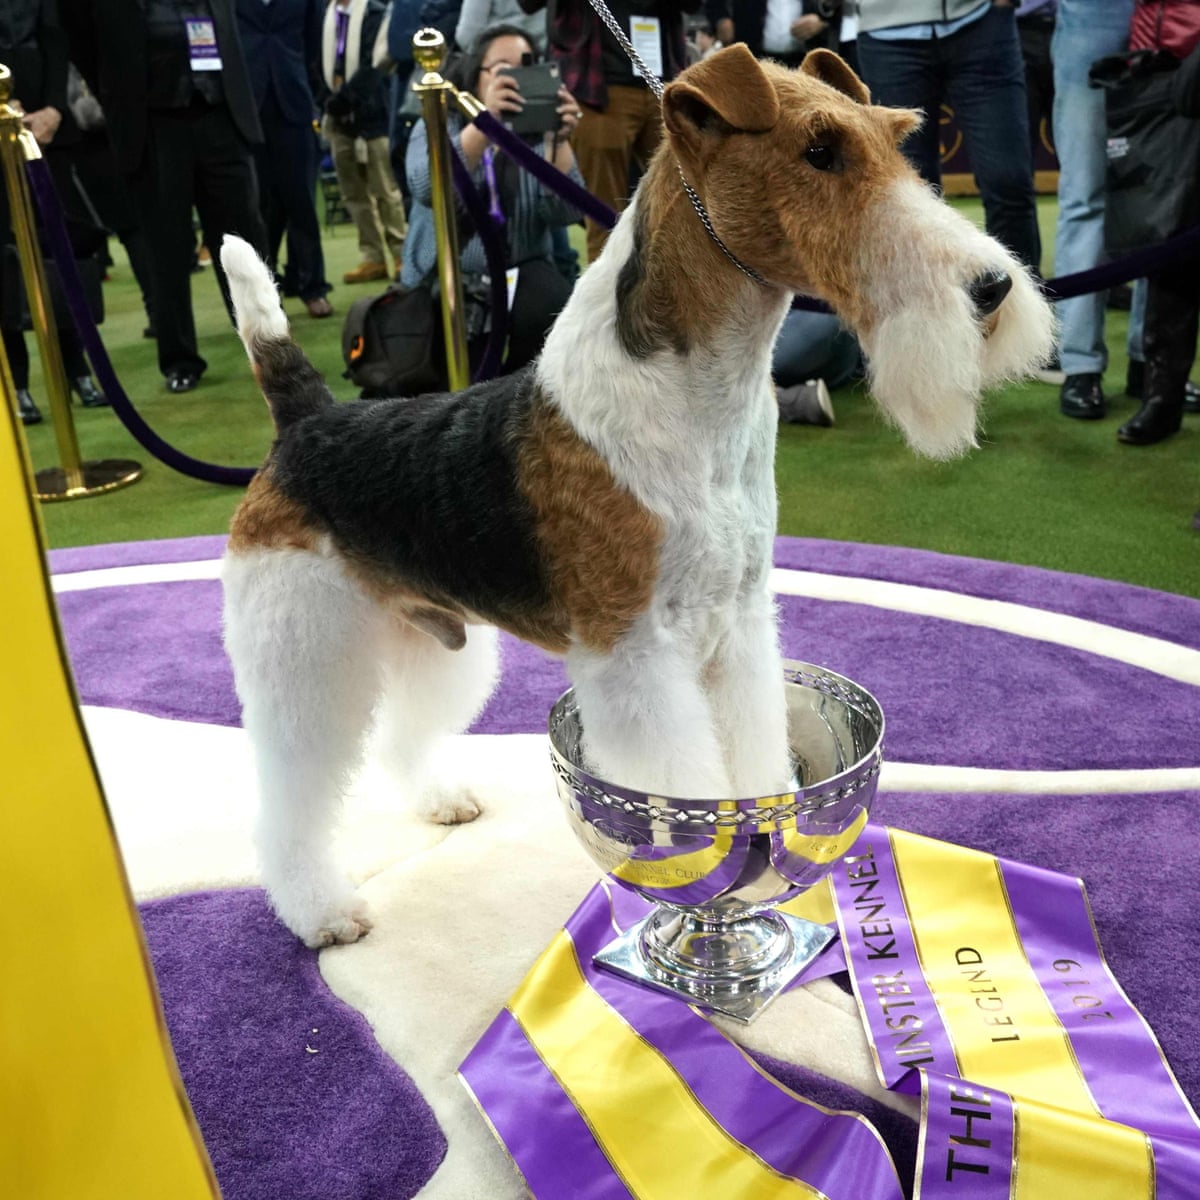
column 1157, row 419
column 1161, row 413
column 30, row 414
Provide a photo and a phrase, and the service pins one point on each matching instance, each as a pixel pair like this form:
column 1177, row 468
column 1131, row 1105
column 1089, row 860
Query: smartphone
column 539, row 86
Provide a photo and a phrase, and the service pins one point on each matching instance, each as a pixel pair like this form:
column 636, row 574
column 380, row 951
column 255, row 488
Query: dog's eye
column 821, row 155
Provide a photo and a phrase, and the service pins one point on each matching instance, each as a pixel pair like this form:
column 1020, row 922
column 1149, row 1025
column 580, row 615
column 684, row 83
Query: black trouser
column 541, row 293
column 18, row 356
column 287, row 176
column 1172, row 318
column 1036, row 33
column 195, row 157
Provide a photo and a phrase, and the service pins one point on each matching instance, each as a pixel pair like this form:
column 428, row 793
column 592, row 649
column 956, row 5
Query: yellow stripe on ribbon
column 814, row 905
column 1060, row 1155
column 666, row 1145
column 1005, row 1033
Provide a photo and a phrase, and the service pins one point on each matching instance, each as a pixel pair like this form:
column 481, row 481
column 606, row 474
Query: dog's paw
column 340, row 928
column 449, row 806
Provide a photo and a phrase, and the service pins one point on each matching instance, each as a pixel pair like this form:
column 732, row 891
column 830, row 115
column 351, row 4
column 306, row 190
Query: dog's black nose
column 988, row 291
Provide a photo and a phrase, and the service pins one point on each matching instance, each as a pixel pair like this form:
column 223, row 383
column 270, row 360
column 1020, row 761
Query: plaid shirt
column 576, row 43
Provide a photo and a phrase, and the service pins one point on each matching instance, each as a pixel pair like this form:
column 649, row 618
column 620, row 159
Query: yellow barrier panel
column 91, row 1103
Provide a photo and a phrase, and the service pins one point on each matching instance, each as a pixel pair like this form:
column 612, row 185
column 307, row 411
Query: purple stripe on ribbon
column 966, row 1140
column 904, row 1023
column 836, row 1153
column 555, row 1152
column 1119, row 1059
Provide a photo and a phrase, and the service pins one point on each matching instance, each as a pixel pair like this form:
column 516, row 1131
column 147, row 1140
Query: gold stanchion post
column 74, row 479
column 429, row 51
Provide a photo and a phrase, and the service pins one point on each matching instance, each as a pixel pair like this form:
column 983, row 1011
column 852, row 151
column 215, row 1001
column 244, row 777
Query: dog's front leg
column 647, row 722
column 745, row 681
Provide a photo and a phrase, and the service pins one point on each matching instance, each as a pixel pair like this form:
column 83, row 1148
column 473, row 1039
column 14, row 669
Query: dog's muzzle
column 987, row 292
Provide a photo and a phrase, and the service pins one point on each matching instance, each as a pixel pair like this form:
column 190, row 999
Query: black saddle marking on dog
column 424, row 492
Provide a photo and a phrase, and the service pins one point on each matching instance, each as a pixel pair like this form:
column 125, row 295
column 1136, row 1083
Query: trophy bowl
column 716, row 869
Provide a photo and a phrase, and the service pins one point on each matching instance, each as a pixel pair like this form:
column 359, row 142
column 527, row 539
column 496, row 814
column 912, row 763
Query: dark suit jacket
column 107, row 39
column 282, row 42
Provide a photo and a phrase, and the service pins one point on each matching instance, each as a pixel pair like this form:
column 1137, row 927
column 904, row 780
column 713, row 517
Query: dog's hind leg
column 430, row 694
column 304, row 642
column 647, row 721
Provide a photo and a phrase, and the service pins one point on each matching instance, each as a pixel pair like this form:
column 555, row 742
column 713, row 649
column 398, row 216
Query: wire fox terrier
column 614, row 502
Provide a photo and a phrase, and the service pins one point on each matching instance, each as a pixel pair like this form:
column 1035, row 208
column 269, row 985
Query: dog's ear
column 724, row 93
column 900, row 121
column 832, row 69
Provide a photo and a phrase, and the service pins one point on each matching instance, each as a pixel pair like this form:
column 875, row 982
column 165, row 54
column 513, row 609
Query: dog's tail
column 292, row 385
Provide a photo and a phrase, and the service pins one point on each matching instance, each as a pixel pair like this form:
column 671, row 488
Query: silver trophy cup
column 716, row 869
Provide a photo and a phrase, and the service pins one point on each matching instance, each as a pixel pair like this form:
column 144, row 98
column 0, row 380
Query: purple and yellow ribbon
column 981, row 984
column 1039, row 1078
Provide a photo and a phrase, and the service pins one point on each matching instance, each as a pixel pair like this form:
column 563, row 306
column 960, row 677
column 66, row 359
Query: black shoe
column 1191, row 397
column 182, row 381
column 149, row 332
column 1082, row 397
column 90, row 396
column 30, row 413
column 1135, row 379
column 1155, row 420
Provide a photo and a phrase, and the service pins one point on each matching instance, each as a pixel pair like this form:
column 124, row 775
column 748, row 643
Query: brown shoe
column 319, row 307
column 366, row 272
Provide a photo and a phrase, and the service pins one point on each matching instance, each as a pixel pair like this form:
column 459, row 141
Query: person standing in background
column 1084, row 31
column 622, row 118
column 921, row 53
column 353, row 44
column 172, row 80
column 282, row 42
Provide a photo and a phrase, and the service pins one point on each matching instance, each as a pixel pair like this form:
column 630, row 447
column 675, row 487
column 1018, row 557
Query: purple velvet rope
column 494, row 251
column 545, row 171
column 60, row 248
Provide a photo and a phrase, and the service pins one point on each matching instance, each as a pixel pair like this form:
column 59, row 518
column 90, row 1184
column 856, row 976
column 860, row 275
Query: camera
column 827, row 10
column 539, row 85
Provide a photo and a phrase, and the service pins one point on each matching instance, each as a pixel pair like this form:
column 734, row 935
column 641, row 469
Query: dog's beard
column 930, row 356
column 925, row 370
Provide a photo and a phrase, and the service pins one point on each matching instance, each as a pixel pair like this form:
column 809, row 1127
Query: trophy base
column 732, row 967
column 94, row 478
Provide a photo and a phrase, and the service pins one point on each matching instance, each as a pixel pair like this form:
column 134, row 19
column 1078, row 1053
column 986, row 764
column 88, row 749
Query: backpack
column 392, row 343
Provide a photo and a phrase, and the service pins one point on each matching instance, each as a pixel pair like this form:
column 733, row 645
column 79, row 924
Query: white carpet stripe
column 920, row 777
column 106, row 577
column 1164, row 658
column 1152, row 654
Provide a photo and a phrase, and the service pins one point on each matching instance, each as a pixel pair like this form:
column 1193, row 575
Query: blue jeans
column 1086, row 30
column 979, row 71
column 814, row 345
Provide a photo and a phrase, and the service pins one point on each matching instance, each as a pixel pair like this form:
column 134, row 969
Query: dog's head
column 804, row 182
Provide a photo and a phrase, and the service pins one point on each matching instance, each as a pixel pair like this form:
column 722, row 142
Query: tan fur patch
column 600, row 545
column 267, row 520
column 799, row 226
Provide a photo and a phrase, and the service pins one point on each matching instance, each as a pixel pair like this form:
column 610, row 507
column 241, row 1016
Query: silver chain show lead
column 656, row 86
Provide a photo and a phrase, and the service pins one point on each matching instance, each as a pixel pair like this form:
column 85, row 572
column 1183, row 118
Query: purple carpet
column 293, row 1094
column 242, row 998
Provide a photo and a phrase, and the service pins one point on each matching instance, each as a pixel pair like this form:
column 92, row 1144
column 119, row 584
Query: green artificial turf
column 1042, row 489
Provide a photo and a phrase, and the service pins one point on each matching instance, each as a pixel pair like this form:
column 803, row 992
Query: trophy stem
column 730, row 964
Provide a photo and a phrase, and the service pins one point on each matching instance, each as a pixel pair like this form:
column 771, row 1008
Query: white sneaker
column 805, row 404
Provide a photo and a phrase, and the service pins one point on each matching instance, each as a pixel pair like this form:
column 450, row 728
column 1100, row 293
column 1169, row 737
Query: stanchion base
column 98, row 475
